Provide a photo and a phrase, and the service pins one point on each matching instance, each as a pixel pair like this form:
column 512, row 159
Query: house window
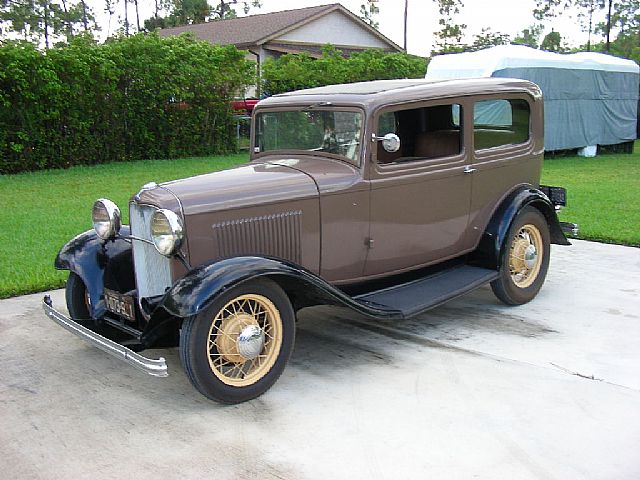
column 500, row 122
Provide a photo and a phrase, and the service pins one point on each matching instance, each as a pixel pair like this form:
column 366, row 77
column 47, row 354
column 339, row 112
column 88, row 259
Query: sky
column 502, row 16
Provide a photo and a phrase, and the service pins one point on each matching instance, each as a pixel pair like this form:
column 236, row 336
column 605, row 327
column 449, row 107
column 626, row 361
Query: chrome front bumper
column 157, row 368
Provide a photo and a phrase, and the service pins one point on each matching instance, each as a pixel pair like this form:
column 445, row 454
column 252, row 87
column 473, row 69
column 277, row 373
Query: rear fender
column 200, row 287
column 490, row 249
column 98, row 263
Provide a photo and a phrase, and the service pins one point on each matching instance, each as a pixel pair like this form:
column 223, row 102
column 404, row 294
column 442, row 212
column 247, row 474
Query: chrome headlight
column 166, row 231
column 106, row 218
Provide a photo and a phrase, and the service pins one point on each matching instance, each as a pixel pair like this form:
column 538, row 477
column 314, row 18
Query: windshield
column 330, row 131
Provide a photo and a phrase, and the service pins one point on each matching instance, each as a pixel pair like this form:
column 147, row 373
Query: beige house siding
column 335, row 28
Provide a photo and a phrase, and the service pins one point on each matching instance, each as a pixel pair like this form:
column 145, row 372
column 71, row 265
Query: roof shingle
column 248, row 30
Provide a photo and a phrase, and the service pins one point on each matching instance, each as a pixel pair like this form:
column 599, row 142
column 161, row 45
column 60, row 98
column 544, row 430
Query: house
column 304, row 30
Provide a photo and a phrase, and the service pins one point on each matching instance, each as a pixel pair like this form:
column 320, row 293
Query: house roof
column 258, row 29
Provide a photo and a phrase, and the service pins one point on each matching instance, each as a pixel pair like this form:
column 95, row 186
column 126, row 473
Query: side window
column 425, row 133
column 500, row 122
column 387, row 123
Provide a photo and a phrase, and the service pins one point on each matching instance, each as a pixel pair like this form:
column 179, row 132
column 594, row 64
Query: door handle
column 469, row 169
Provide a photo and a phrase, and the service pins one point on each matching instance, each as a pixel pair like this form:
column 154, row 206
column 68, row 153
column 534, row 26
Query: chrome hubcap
column 530, row 256
column 250, row 341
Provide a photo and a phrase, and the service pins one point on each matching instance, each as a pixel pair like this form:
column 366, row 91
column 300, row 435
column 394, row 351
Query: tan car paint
column 349, row 222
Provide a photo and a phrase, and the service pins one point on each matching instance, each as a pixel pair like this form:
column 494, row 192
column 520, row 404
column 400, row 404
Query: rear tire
column 235, row 349
column 525, row 258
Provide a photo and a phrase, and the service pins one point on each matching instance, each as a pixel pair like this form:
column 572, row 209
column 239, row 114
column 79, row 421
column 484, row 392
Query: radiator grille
column 153, row 273
column 277, row 235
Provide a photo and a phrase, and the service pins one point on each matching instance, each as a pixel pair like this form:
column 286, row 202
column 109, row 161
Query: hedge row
column 130, row 98
column 294, row 72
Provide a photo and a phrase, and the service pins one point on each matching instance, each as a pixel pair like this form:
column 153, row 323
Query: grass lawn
column 41, row 211
column 603, row 194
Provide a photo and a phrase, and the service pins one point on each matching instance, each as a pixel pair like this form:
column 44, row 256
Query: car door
column 420, row 195
column 506, row 151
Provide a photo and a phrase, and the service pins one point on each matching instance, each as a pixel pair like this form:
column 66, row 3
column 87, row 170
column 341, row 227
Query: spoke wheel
column 525, row 255
column 525, row 258
column 238, row 346
column 244, row 340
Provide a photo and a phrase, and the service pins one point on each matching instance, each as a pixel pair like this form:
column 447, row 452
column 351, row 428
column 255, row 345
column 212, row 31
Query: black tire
column 78, row 304
column 77, row 299
column 522, row 287
column 210, row 342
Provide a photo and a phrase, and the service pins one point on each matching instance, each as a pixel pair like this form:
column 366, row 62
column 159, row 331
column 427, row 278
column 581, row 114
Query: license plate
column 119, row 304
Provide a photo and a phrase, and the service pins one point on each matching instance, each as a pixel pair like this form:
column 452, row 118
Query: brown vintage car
column 387, row 197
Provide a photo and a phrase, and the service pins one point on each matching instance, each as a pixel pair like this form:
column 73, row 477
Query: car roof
column 381, row 92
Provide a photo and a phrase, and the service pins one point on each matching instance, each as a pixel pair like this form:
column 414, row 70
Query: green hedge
column 137, row 97
column 294, row 72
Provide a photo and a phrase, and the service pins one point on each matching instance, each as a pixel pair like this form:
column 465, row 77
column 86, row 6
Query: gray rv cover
column 590, row 98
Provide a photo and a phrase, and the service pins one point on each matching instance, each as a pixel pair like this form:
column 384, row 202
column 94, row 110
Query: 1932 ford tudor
column 386, row 197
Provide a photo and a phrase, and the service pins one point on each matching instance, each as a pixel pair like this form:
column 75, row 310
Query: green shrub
column 134, row 97
column 294, row 72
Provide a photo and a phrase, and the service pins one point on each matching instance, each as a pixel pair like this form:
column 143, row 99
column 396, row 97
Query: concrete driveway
column 473, row 389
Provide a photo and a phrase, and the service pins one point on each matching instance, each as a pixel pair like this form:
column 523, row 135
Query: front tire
column 79, row 306
column 235, row 349
column 525, row 258
column 77, row 297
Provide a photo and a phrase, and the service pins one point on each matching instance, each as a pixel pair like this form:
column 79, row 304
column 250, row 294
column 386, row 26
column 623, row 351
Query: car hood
column 246, row 185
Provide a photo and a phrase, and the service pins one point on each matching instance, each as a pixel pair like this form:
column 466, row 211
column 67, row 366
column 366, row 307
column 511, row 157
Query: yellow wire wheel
column 236, row 347
column 524, row 258
column 244, row 340
column 526, row 255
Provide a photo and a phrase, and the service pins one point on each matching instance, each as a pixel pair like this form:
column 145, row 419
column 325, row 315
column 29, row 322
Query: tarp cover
column 590, row 98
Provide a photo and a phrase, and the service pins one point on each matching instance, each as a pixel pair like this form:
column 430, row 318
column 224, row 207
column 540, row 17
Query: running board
column 415, row 297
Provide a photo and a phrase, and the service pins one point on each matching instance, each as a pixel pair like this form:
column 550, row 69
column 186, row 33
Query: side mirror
column 390, row 142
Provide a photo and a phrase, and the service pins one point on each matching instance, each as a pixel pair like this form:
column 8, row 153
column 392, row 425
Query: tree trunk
column 46, row 24
column 67, row 22
column 85, row 21
column 126, row 18
column 406, row 8
column 590, row 27
column 609, row 26
column 137, row 15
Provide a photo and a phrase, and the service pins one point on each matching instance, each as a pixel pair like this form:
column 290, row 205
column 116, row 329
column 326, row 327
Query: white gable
column 335, row 28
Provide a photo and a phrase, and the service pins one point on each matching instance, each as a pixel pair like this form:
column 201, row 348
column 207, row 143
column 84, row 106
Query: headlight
column 166, row 231
column 106, row 218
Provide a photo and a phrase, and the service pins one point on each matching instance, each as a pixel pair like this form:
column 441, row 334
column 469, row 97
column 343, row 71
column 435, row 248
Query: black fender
column 99, row 263
column 490, row 248
column 197, row 289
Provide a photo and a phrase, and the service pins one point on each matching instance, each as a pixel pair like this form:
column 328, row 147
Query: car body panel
column 99, row 264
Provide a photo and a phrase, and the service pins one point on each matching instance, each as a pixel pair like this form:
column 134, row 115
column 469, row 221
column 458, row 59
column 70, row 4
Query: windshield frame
column 309, row 107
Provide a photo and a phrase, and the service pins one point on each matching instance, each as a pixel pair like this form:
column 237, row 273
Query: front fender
column 489, row 251
column 200, row 287
column 99, row 263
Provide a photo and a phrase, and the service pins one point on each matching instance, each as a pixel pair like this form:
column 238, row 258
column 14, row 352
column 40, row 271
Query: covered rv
column 590, row 98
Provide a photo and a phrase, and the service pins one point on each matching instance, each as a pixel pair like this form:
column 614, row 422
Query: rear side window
column 500, row 122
